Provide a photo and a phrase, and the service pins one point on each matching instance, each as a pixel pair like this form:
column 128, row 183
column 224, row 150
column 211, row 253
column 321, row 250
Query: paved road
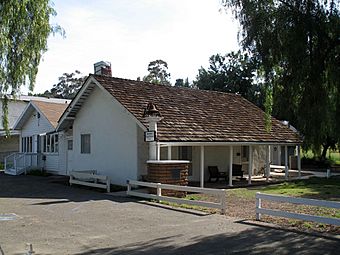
column 58, row 219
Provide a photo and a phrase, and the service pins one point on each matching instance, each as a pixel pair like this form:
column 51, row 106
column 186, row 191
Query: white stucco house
column 103, row 129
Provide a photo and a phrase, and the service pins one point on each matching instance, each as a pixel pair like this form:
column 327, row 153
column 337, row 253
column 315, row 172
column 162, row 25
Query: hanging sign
column 150, row 136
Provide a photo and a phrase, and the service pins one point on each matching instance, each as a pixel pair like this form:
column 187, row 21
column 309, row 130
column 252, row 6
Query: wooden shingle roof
column 192, row 115
column 52, row 111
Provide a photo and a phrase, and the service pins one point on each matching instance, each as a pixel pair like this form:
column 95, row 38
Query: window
column 43, row 142
column 27, row 144
column 185, row 153
column 50, row 143
column 245, row 151
column 70, row 145
column 85, row 143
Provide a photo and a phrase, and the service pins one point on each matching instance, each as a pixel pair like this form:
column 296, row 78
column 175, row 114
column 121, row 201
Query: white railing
column 22, row 162
column 294, row 200
column 220, row 193
column 90, row 178
column 10, row 161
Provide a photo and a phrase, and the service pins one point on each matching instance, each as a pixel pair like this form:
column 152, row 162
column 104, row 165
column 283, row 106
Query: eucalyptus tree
column 67, row 87
column 298, row 46
column 158, row 73
column 25, row 27
column 235, row 72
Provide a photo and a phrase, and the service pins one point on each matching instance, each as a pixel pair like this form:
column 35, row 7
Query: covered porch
column 260, row 162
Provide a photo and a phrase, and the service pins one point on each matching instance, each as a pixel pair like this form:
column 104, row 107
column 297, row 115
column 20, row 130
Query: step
column 10, row 171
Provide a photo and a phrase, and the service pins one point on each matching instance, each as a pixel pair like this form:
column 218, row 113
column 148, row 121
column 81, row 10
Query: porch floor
column 256, row 180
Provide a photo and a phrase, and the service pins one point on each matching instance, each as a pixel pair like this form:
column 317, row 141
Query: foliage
column 297, row 44
column 38, row 172
column 234, row 72
column 158, row 73
column 182, row 83
column 67, row 87
column 309, row 158
column 24, row 31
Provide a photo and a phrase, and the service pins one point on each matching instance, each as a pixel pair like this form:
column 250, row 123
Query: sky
column 131, row 33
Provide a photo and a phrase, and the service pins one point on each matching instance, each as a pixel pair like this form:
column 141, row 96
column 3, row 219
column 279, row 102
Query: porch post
column 267, row 163
column 279, row 154
column 202, row 168
column 299, row 160
column 169, row 152
column 286, row 162
column 250, row 162
column 158, row 151
column 231, row 166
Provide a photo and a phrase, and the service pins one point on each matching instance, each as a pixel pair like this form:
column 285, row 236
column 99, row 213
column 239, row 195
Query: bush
column 316, row 162
column 38, row 172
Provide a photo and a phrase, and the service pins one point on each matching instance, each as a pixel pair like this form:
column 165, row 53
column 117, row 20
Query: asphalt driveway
column 58, row 219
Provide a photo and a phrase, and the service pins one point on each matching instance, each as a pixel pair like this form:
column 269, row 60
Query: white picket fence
column 220, row 193
column 294, row 200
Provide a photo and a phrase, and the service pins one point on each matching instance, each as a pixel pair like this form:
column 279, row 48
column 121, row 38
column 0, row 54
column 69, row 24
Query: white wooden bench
column 90, row 178
column 277, row 167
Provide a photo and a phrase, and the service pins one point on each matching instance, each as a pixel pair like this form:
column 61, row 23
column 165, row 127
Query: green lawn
column 318, row 188
column 332, row 155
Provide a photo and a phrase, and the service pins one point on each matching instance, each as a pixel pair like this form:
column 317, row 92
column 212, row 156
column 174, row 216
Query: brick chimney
column 103, row 68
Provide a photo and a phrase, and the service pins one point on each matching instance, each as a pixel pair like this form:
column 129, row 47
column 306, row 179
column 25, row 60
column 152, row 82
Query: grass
column 317, row 188
column 335, row 156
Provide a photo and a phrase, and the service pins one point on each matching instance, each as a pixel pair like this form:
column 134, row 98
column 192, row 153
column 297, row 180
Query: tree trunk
column 324, row 151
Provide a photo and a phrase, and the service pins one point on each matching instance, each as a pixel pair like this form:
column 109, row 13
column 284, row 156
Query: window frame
column 85, row 140
column 27, row 144
column 50, row 143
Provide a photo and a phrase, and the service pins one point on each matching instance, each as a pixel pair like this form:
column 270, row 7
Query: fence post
column 328, row 173
column 108, row 184
column 15, row 164
column 223, row 201
column 258, row 206
column 128, row 187
column 159, row 190
column 71, row 178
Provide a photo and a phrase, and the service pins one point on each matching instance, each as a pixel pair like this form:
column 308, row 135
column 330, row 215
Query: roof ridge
column 172, row 87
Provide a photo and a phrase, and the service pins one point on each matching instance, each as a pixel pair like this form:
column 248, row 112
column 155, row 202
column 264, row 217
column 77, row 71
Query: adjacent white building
column 10, row 144
column 40, row 146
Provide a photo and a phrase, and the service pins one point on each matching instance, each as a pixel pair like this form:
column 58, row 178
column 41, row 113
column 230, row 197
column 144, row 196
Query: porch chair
column 215, row 173
column 237, row 170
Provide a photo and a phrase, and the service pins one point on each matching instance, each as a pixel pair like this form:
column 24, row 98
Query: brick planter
column 173, row 172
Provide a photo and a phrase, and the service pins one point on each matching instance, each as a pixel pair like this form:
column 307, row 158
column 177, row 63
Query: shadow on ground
column 54, row 187
column 253, row 241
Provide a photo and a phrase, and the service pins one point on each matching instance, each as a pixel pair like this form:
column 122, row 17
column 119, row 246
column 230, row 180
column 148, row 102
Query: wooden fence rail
column 90, row 178
column 294, row 200
column 220, row 193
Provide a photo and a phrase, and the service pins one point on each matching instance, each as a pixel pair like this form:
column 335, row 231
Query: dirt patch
column 244, row 208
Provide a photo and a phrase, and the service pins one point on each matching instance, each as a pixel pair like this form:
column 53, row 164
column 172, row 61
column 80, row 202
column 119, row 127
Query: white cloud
column 130, row 34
